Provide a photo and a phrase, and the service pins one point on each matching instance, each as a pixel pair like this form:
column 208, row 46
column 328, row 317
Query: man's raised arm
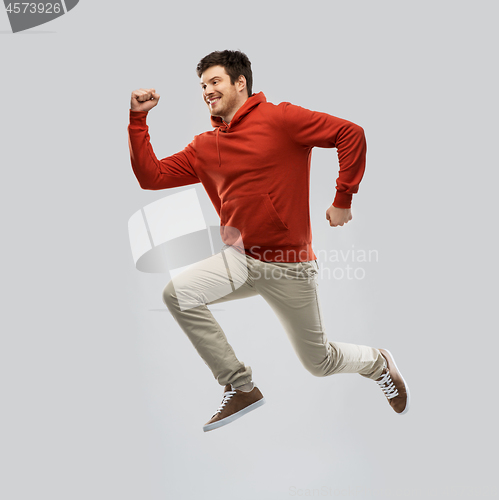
column 173, row 171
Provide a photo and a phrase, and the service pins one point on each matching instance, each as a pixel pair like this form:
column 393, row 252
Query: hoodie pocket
column 256, row 218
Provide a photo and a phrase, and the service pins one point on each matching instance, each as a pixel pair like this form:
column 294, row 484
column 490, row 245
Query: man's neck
column 227, row 119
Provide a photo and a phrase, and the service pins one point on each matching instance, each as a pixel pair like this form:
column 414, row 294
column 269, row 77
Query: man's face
column 222, row 98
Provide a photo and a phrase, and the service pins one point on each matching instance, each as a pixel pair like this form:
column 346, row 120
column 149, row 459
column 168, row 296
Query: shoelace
column 225, row 400
column 387, row 386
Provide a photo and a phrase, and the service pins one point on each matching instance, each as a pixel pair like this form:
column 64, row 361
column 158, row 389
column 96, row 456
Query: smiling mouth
column 213, row 101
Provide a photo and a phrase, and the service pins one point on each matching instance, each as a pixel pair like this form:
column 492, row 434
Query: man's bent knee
column 316, row 370
column 169, row 297
column 181, row 299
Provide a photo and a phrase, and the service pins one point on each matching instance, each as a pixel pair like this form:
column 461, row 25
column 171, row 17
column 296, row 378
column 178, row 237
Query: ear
column 241, row 83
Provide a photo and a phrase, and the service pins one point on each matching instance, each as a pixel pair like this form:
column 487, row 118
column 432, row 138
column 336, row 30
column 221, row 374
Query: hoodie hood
column 249, row 104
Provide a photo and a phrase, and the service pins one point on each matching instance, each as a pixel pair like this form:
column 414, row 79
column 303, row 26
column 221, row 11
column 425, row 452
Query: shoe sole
column 234, row 416
column 406, row 409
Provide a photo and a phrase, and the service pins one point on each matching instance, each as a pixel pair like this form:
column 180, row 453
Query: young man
column 255, row 167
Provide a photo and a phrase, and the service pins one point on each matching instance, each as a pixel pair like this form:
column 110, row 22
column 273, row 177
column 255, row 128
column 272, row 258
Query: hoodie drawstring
column 218, row 149
column 252, row 102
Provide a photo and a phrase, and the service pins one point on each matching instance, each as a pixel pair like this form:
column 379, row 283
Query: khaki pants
column 289, row 288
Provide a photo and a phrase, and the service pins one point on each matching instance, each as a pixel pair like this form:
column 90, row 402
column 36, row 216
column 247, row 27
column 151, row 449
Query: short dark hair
column 235, row 63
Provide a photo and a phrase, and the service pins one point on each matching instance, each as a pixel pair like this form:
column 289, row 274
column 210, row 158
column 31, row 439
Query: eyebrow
column 211, row 79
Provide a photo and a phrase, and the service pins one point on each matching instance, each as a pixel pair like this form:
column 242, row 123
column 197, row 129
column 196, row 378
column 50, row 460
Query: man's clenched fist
column 338, row 216
column 144, row 99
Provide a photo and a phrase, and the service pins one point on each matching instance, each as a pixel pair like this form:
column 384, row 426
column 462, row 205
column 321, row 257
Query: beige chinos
column 291, row 291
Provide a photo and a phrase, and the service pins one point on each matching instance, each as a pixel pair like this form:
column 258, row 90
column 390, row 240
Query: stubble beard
column 226, row 107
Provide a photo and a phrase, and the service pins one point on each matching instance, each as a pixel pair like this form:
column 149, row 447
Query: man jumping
column 255, row 167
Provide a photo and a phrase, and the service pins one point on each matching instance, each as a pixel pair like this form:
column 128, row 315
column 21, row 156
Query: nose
column 209, row 91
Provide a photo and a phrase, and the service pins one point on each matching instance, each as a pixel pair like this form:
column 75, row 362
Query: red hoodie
column 256, row 171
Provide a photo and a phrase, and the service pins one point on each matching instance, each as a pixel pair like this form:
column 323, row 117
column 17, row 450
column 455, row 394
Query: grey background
column 102, row 395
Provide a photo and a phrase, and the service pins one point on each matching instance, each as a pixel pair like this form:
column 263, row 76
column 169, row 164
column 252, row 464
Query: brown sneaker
column 393, row 385
column 234, row 404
